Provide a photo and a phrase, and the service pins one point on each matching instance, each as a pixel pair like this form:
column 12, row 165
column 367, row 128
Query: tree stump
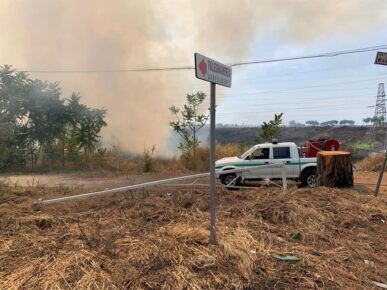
column 334, row 169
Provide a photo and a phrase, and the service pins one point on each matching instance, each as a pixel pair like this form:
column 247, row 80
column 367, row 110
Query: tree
column 46, row 112
column 329, row 123
column 312, row 123
column 81, row 128
column 347, row 122
column 292, row 123
column 68, row 140
column 271, row 129
column 36, row 123
column 13, row 117
column 367, row 120
column 189, row 122
column 378, row 120
column 373, row 119
column 86, row 132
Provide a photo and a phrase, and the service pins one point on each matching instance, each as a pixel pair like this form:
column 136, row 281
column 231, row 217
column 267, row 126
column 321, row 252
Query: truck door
column 259, row 157
column 282, row 154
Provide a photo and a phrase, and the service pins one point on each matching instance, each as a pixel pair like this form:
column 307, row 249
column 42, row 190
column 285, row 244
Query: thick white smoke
column 89, row 34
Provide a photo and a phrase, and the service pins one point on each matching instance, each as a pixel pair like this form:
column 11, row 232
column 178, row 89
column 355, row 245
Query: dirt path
column 87, row 180
column 369, row 179
column 102, row 180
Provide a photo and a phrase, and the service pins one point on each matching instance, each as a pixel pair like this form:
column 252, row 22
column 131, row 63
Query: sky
column 322, row 89
column 123, row 34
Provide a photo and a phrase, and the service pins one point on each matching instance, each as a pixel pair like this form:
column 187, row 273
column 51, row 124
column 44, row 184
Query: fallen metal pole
column 148, row 184
column 187, row 184
column 119, row 189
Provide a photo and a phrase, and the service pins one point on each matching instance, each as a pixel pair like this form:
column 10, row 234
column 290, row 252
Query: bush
column 365, row 146
column 149, row 161
column 372, row 163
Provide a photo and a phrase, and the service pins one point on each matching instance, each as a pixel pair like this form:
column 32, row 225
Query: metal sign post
column 212, row 164
column 216, row 73
column 381, row 58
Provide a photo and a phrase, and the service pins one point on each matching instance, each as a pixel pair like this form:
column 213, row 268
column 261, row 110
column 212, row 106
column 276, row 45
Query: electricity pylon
column 380, row 122
column 380, row 108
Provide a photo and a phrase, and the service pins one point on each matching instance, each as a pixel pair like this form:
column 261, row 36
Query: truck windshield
column 244, row 155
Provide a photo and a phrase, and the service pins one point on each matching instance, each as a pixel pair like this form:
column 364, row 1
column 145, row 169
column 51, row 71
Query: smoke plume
column 89, row 34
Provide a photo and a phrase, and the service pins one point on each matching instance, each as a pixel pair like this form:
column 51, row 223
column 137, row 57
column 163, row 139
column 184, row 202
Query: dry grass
column 159, row 239
column 372, row 163
column 202, row 159
column 116, row 160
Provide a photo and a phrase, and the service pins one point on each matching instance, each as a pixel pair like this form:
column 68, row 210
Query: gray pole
column 383, row 165
column 381, row 174
column 212, row 165
column 381, row 170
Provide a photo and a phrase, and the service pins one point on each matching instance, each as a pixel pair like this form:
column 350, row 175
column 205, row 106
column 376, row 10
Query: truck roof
column 278, row 144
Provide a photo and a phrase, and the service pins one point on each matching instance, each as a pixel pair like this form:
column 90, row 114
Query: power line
column 248, row 102
column 332, row 84
column 306, row 105
column 295, row 91
column 274, row 79
column 241, row 63
column 325, row 54
column 335, row 107
column 350, row 99
column 310, row 110
column 258, row 81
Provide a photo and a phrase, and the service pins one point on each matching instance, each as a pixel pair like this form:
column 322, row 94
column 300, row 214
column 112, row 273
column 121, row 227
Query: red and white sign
column 212, row 71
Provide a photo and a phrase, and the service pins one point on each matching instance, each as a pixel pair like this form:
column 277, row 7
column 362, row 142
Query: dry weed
column 372, row 163
column 155, row 240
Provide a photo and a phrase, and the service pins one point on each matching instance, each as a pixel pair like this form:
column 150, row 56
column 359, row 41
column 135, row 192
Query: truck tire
column 308, row 176
column 227, row 178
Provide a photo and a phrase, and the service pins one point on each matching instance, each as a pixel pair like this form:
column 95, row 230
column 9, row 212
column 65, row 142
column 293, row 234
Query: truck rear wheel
column 308, row 177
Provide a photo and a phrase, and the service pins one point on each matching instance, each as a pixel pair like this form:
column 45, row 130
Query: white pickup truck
column 296, row 167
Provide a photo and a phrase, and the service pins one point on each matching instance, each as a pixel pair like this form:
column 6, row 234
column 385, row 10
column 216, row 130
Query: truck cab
column 296, row 167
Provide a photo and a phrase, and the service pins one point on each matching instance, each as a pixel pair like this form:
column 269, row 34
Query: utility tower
column 380, row 119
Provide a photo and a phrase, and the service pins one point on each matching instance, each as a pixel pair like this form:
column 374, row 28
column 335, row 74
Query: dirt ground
column 105, row 179
column 89, row 180
column 304, row 238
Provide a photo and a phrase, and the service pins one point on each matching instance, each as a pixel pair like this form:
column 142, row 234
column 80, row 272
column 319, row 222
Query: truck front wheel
column 308, row 177
column 227, row 178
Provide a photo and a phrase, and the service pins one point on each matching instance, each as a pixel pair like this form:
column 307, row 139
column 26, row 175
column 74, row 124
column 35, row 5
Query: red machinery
column 312, row 147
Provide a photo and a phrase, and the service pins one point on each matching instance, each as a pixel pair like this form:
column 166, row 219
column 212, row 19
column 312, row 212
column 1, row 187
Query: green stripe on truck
column 259, row 164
